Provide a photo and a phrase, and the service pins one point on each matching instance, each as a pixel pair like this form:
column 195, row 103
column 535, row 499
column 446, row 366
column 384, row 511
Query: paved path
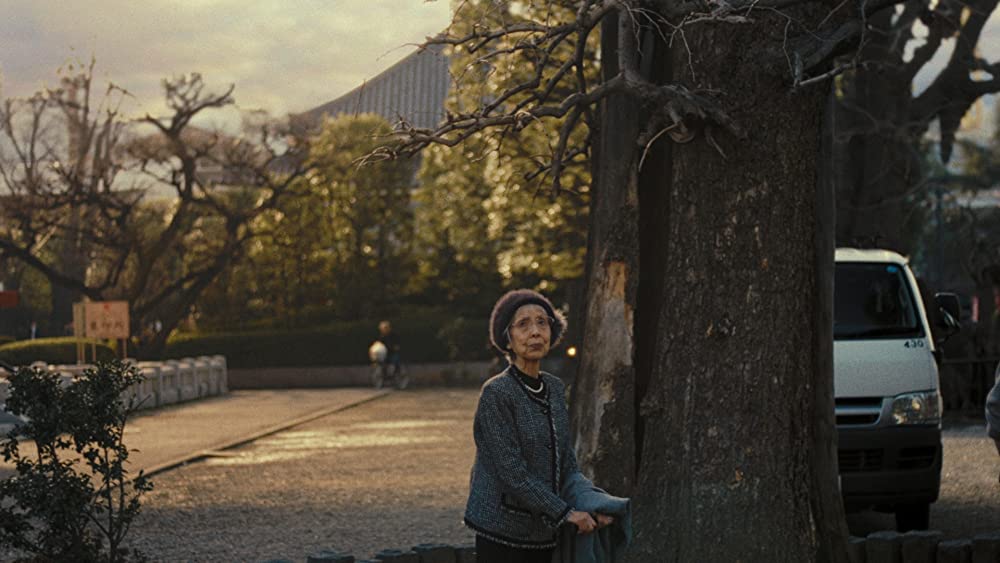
column 970, row 494
column 170, row 435
column 390, row 473
column 394, row 472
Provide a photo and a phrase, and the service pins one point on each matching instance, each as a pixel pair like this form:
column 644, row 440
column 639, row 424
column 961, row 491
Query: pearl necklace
column 537, row 391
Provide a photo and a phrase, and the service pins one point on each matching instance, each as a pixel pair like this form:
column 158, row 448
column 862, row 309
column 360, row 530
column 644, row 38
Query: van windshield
column 873, row 301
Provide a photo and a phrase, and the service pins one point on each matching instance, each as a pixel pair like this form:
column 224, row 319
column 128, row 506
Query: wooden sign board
column 106, row 319
column 8, row 299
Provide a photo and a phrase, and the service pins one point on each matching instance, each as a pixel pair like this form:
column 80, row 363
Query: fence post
column 397, row 556
column 921, row 546
column 149, row 394
column 856, row 549
column 435, row 553
column 170, row 392
column 330, row 556
column 955, row 551
column 884, row 547
column 986, row 548
column 219, row 365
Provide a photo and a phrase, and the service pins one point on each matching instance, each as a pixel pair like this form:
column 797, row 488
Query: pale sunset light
column 282, row 56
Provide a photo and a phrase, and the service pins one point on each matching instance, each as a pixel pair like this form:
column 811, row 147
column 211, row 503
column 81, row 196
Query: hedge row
column 428, row 338
column 61, row 350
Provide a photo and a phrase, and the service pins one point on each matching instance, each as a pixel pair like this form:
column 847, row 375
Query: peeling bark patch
column 607, row 453
column 617, row 272
column 603, row 409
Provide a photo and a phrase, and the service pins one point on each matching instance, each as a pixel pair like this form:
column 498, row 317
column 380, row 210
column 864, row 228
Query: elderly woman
column 523, row 450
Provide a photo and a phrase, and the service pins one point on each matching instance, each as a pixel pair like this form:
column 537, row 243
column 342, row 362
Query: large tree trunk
column 738, row 462
column 603, row 399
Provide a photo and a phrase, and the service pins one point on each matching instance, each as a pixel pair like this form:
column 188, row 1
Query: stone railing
column 164, row 383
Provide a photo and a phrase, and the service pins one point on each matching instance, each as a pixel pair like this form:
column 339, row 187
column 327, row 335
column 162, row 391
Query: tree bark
column 742, row 463
column 603, row 414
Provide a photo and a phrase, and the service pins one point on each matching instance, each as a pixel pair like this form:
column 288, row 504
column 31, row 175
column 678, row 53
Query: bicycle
column 381, row 374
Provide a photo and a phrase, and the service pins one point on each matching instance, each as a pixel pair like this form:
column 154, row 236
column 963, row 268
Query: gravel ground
column 970, row 491
column 394, row 473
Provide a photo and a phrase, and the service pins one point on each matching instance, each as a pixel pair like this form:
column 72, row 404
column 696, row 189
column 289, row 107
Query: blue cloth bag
column 605, row 545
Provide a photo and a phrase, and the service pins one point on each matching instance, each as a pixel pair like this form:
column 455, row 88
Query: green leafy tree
column 289, row 272
column 339, row 248
column 367, row 213
column 454, row 249
column 499, row 225
column 74, row 499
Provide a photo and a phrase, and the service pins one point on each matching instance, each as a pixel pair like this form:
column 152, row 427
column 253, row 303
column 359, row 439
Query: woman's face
column 530, row 333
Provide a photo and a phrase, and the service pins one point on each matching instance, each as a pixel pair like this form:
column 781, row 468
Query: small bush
column 60, row 350
column 341, row 343
column 72, row 498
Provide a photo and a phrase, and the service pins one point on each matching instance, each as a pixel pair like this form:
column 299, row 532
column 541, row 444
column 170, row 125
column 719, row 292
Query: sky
column 283, row 56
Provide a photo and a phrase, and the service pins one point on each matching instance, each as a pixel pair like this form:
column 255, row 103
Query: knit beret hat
column 507, row 306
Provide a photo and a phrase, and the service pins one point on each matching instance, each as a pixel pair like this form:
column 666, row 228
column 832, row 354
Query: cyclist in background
column 391, row 341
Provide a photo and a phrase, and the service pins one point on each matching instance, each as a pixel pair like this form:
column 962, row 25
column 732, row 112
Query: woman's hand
column 604, row 520
column 583, row 522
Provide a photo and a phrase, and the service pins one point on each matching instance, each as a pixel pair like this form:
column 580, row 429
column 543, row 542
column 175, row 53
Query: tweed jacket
column 523, row 455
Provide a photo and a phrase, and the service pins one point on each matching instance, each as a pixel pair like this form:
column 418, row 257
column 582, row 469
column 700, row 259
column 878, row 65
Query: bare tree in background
column 80, row 204
column 882, row 114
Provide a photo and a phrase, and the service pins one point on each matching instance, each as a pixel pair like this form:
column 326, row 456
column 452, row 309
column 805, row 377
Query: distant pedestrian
column 524, row 454
column 33, row 331
column 392, row 345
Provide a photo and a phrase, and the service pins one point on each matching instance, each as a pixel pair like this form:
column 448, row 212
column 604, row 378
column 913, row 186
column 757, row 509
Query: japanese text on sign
column 106, row 319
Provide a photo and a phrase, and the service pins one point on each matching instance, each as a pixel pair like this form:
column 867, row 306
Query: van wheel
column 913, row 517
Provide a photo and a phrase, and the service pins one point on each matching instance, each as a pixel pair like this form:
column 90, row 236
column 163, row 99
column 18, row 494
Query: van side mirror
column 951, row 314
column 948, row 302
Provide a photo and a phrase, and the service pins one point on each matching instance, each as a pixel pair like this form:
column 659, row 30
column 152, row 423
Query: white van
column 888, row 400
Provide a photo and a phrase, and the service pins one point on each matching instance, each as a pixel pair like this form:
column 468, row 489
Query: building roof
column 413, row 90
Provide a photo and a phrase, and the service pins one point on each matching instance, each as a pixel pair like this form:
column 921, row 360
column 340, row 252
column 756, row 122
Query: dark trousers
column 489, row 551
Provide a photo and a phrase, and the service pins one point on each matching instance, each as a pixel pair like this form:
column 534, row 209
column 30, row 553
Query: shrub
column 60, row 350
column 340, row 343
column 72, row 499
